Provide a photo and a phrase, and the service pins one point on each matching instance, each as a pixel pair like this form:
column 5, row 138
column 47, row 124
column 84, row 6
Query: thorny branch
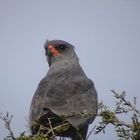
column 7, row 120
column 123, row 129
column 124, row 106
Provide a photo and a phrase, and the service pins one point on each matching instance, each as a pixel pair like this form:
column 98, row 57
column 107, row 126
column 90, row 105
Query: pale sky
column 106, row 36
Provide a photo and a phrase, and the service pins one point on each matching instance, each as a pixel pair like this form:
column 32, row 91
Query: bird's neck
column 64, row 58
column 66, row 67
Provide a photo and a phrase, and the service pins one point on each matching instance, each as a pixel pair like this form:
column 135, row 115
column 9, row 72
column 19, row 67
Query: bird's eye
column 62, row 47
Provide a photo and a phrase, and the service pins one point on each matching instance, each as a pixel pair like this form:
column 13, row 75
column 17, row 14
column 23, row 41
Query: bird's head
column 58, row 50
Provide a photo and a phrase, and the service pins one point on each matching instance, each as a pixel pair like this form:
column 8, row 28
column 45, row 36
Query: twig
column 91, row 132
column 7, row 120
column 57, row 127
column 51, row 128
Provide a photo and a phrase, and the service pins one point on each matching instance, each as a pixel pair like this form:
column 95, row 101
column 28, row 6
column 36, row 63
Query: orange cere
column 53, row 50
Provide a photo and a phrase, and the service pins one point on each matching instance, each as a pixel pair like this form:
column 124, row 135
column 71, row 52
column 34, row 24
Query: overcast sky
column 106, row 36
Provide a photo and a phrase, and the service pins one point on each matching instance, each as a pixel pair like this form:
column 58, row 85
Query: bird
column 65, row 94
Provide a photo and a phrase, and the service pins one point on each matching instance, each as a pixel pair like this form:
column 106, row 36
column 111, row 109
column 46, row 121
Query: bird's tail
column 80, row 134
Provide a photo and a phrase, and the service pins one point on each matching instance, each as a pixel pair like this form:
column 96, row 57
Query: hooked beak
column 49, row 60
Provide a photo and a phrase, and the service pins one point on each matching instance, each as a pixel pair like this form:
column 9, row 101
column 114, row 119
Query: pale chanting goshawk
column 65, row 93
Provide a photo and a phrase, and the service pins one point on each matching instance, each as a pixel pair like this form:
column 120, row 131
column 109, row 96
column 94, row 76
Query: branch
column 124, row 129
column 7, row 120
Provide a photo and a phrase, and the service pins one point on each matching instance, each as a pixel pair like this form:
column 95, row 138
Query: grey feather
column 66, row 91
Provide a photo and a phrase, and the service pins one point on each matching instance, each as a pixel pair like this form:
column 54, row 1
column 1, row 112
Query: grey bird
column 65, row 93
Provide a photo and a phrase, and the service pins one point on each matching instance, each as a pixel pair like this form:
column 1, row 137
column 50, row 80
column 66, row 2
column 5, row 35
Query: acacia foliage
column 124, row 130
